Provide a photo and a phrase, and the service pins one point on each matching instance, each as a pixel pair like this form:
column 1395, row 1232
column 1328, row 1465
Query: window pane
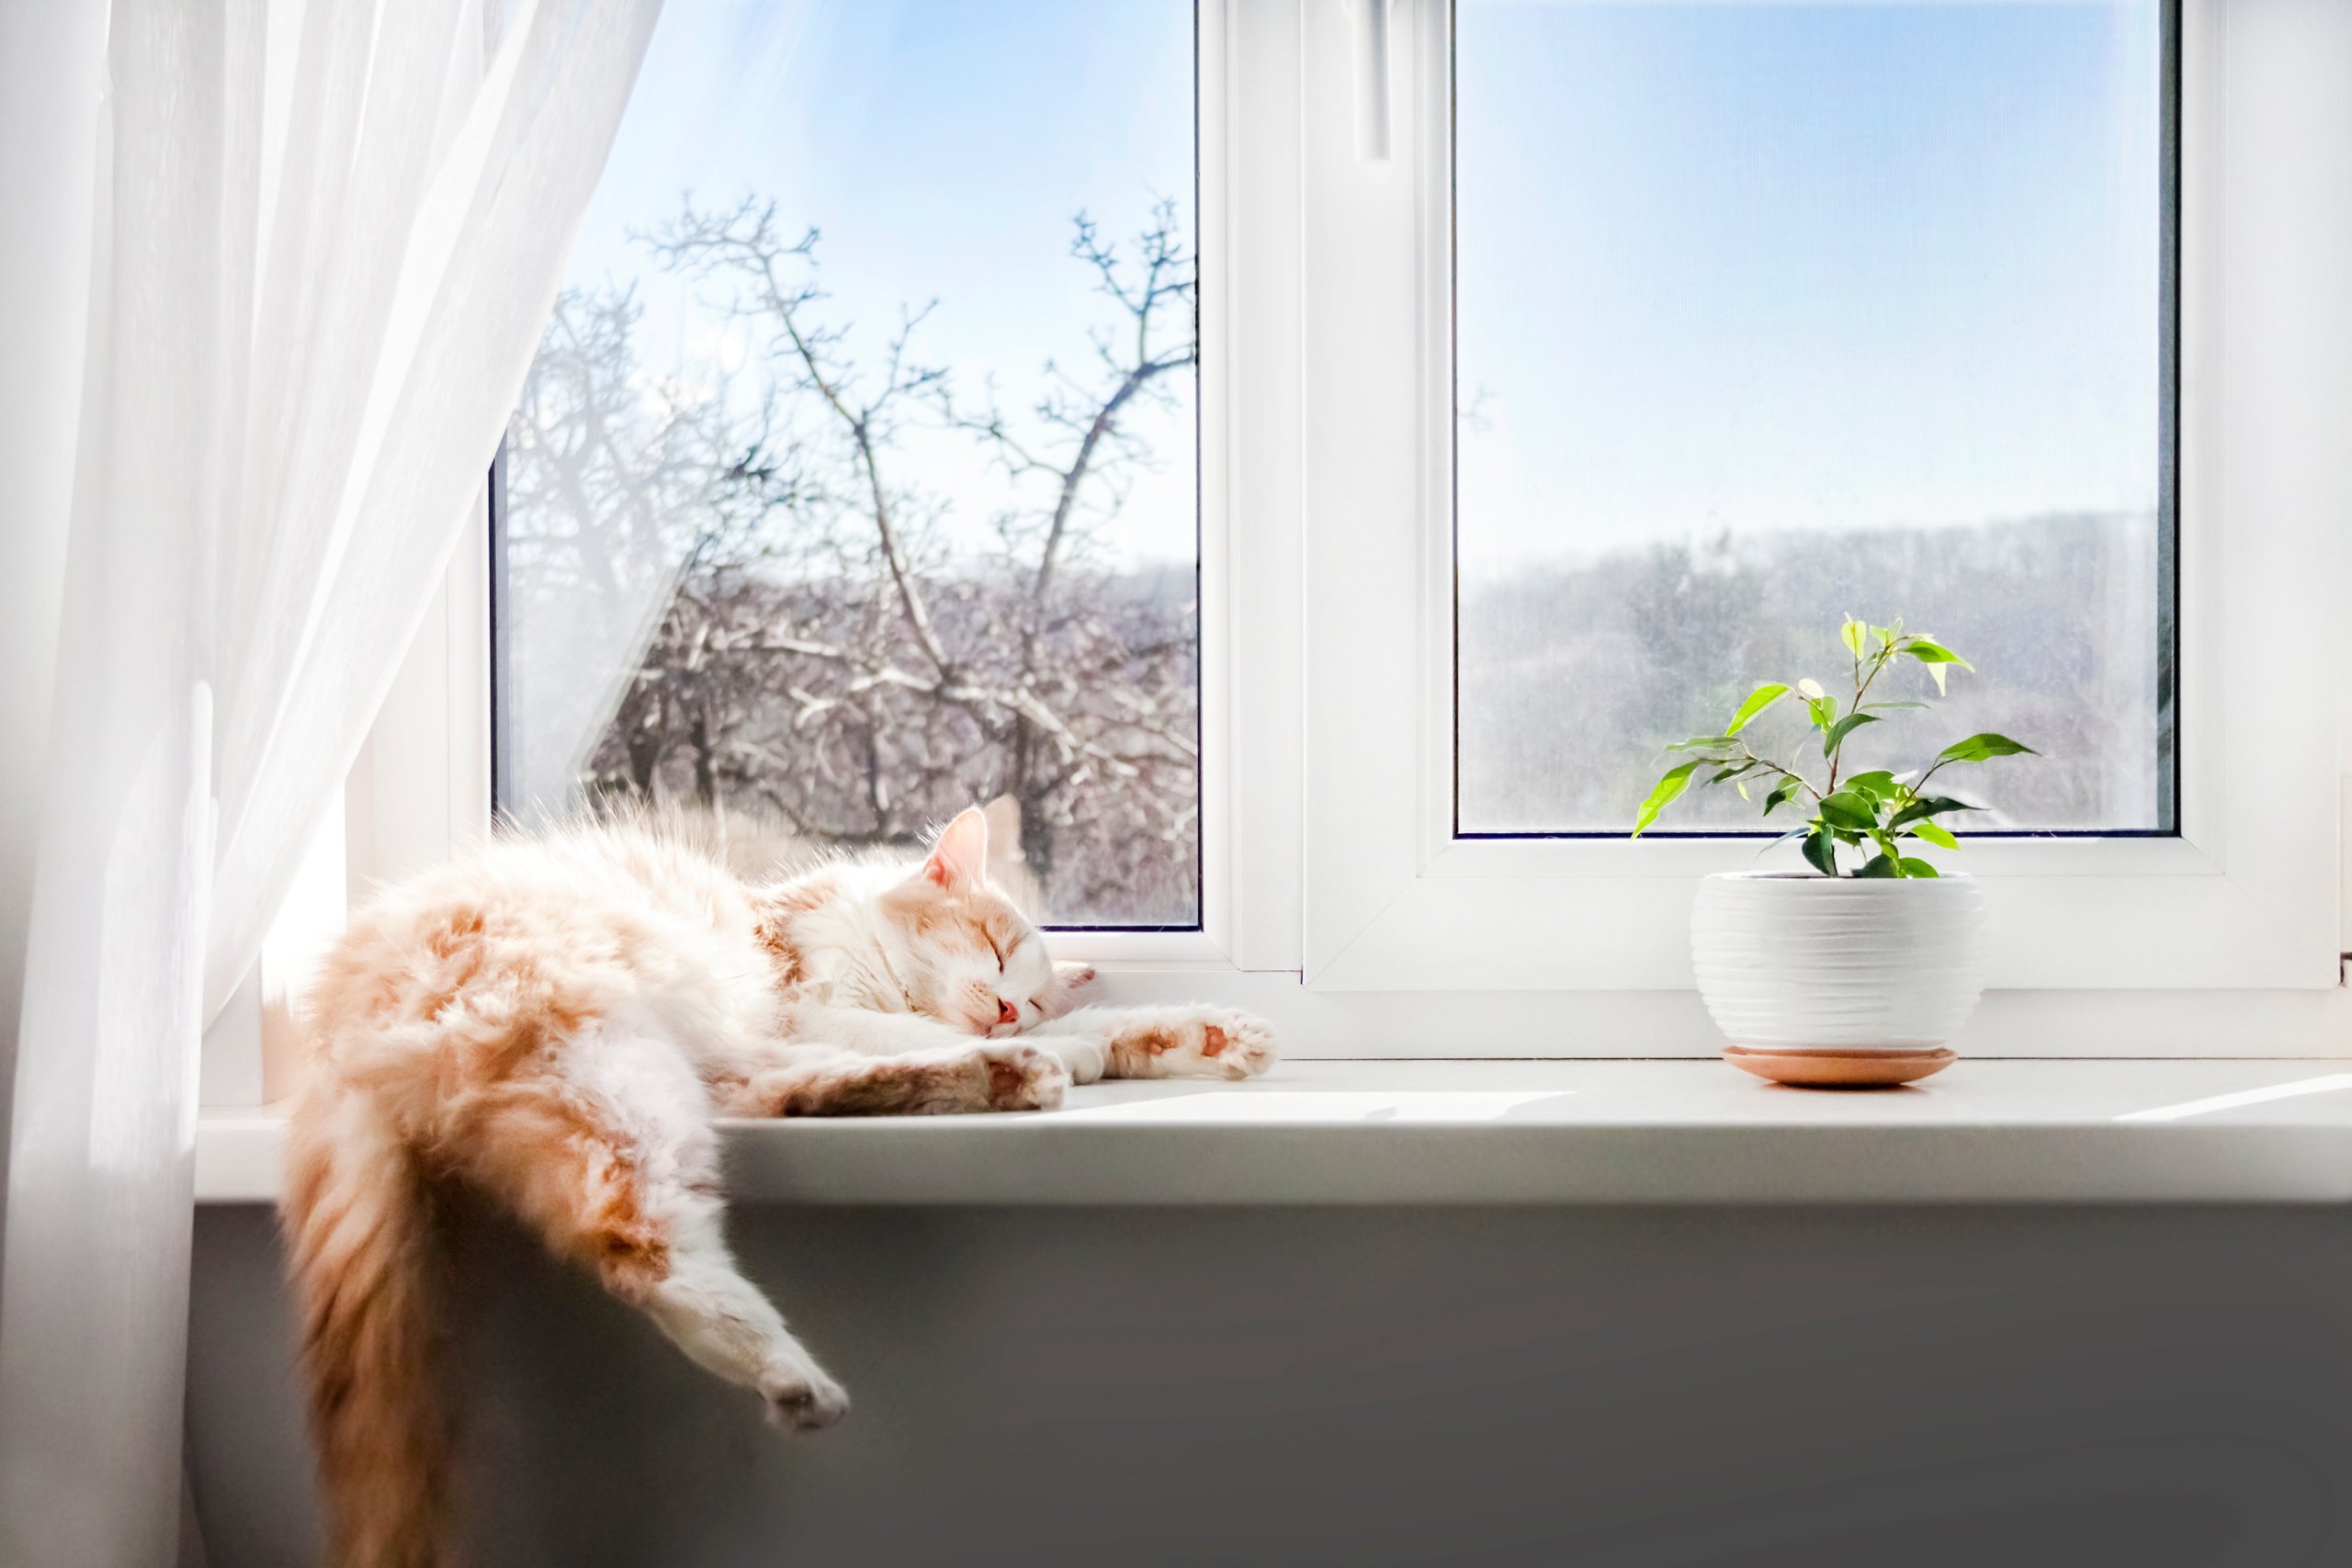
column 857, row 484
column 1770, row 314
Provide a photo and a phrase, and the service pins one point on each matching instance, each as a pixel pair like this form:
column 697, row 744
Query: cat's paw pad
column 1023, row 1078
column 1211, row 1044
column 801, row 1398
column 1239, row 1045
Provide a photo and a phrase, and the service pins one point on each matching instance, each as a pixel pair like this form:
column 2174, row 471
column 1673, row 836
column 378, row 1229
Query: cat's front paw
column 1068, row 990
column 800, row 1397
column 1213, row 1044
column 1022, row 1077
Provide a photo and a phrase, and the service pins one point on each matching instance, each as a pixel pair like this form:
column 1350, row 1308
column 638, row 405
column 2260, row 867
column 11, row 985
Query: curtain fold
column 325, row 237
column 52, row 61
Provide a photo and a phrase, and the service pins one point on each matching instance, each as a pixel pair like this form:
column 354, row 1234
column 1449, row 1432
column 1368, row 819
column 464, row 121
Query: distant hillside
column 1573, row 677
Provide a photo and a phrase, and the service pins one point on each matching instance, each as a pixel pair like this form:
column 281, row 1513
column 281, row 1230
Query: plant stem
column 1862, row 685
column 1837, row 758
column 1749, row 755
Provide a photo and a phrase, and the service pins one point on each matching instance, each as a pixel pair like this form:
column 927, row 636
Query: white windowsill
column 1552, row 1132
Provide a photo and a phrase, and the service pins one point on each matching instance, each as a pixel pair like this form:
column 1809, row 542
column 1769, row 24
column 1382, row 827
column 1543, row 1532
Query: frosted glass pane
column 856, row 480
column 1770, row 314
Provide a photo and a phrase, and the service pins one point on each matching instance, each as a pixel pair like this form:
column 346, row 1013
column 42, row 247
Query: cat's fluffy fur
column 555, row 1024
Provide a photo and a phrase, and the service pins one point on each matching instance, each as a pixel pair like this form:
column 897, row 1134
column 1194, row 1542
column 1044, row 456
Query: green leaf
column 1916, row 867
column 1821, row 851
column 1808, row 688
column 1842, row 728
column 1782, row 793
column 1935, row 656
column 1940, row 837
column 1979, row 748
column 1760, row 699
column 1702, row 743
column 1823, row 711
column 1928, row 805
column 1733, row 773
column 1879, row 865
column 1928, row 652
column 1853, row 634
column 1879, row 785
column 1676, row 780
column 1844, row 809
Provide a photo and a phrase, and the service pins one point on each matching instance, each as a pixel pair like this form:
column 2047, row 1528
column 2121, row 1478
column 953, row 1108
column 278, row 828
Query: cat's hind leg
column 609, row 1152
column 826, row 1080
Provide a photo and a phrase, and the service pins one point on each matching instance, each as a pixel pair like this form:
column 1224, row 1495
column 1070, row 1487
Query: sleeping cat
column 556, row 1025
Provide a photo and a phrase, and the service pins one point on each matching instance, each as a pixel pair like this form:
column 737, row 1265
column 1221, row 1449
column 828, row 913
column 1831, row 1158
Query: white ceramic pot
column 1795, row 963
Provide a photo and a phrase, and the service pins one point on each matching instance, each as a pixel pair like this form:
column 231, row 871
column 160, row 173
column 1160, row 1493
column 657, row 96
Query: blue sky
column 942, row 147
column 1765, row 265
column 1745, row 263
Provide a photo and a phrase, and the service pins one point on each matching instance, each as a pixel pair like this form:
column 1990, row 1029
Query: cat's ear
column 960, row 854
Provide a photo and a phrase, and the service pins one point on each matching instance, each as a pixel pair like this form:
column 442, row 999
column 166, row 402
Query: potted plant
column 1857, row 972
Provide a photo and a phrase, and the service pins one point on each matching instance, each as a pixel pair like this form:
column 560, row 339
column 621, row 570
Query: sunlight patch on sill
column 1319, row 1106
column 2327, row 1083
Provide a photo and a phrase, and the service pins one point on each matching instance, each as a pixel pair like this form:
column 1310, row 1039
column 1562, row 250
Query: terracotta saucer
column 1832, row 1068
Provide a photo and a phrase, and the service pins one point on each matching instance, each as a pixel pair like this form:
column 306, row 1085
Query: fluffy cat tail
column 362, row 1255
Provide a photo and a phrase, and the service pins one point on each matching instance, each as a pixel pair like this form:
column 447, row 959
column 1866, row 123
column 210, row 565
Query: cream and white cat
column 556, row 1025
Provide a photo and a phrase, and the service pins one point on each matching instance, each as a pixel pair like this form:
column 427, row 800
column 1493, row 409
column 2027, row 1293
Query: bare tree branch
column 811, row 652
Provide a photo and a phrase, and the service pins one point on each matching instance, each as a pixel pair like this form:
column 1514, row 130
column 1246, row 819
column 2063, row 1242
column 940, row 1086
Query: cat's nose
column 1006, row 1012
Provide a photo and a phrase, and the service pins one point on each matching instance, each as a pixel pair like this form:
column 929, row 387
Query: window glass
column 1773, row 313
column 854, row 481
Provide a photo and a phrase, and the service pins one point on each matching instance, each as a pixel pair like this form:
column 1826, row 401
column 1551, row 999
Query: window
column 1619, row 134
column 859, row 483
column 1554, row 359
column 1769, row 313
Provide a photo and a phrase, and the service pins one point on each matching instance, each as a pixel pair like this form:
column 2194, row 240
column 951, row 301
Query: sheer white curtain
column 318, row 240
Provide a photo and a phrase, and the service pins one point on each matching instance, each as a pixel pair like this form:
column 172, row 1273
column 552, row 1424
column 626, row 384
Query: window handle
column 1371, row 20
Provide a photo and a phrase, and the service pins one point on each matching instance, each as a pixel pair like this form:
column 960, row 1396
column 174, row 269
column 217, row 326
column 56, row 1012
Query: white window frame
column 2246, row 896
column 1335, row 899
